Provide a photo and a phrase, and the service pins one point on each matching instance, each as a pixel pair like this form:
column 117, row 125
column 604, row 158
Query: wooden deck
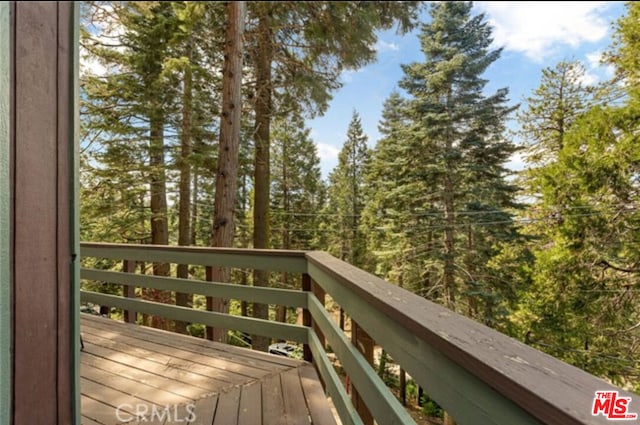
column 129, row 370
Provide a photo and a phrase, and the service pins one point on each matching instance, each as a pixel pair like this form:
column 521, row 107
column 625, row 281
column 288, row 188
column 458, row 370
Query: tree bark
column 262, row 173
column 184, row 216
column 449, row 229
column 159, row 222
column 228, row 151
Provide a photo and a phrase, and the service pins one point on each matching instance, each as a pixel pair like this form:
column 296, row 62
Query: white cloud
column 383, row 46
column 589, row 78
column 347, row 74
column 594, row 58
column 516, row 161
column 538, row 29
column 90, row 65
column 327, row 151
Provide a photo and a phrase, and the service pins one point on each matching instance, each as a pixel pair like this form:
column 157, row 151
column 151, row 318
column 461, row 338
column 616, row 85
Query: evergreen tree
column 582, row 306
column 456, row 152
column 396, row 218
column 298, row 50
column 346, row 196
column 296, row 186
column 549, row 113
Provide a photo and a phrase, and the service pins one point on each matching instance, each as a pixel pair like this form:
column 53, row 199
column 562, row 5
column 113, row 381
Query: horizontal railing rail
column 476, row 374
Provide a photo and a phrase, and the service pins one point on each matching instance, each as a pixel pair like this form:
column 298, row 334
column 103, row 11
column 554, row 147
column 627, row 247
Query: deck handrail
column 475, row 373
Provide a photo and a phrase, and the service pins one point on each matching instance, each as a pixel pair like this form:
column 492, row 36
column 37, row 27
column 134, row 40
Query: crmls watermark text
column 163, row 414
column 612, row 406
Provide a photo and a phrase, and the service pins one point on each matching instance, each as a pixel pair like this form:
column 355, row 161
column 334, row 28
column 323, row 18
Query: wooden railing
column 476, row 374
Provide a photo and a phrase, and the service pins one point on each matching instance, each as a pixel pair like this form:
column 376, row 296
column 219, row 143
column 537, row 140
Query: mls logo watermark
column 126, row 413
column 612, row 407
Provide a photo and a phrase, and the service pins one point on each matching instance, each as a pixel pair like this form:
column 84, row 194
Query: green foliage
column 581, row 302
column 297, row 190
column 437, row 176
column 346, row 197
column 431, row 408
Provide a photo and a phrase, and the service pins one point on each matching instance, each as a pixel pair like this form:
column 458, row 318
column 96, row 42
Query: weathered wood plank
column 205, row 410
column 87, row 421
column 237, row 364
column 295, row 406
column 132, row 387
column 174, row 372
column 257, row 359
column 249, row 412
column 227, row 409
column 166, row 360
column 315, row 397
column 156, row 380
column 127, row 369
column 35, row 202
column 116, row 400
column 272, row 402
column 94, row 411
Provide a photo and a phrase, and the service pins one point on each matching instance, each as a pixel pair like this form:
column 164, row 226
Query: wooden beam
column 257, row 259
column 245, row 324
column 128, row 290
column 276, row 296
column 364, row 344
column 5, row 214
column 43, row 173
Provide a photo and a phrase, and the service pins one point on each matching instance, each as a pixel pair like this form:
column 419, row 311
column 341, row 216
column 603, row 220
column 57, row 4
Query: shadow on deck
column 129, row 370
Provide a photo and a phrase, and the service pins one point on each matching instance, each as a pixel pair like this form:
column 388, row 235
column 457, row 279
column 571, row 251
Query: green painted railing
column 476, row 374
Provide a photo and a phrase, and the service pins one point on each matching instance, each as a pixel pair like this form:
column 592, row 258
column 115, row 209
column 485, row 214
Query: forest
column 194, row 131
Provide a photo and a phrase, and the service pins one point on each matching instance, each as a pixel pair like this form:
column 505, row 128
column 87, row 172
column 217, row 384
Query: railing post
column 129, row 291
column 306, row 317
column 309, row 285
column 364, row 344
column 321, row 296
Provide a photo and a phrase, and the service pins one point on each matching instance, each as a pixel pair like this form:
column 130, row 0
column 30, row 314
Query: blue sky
column 534, row 35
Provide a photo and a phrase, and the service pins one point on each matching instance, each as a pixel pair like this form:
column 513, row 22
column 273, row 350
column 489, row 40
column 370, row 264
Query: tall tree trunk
column 194, row 207
column 449, row 213
column 228, row 151
column 159, row 222
column 449, row 248
column 184, row 225
column 281, row 313
column 472, row 299
column 262, row 174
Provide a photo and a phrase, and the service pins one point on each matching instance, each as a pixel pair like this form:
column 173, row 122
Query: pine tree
column 296, row 187
column 582, row 306
column 346, row 196
column 395, row 215
column 551, row 110
column 458, row 134
column 296, row 192
column 298, row 50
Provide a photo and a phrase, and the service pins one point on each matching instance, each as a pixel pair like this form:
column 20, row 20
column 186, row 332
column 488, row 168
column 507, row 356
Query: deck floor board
column 172, row 378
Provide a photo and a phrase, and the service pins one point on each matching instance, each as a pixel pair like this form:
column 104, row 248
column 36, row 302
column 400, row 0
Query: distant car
column 282, row 349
